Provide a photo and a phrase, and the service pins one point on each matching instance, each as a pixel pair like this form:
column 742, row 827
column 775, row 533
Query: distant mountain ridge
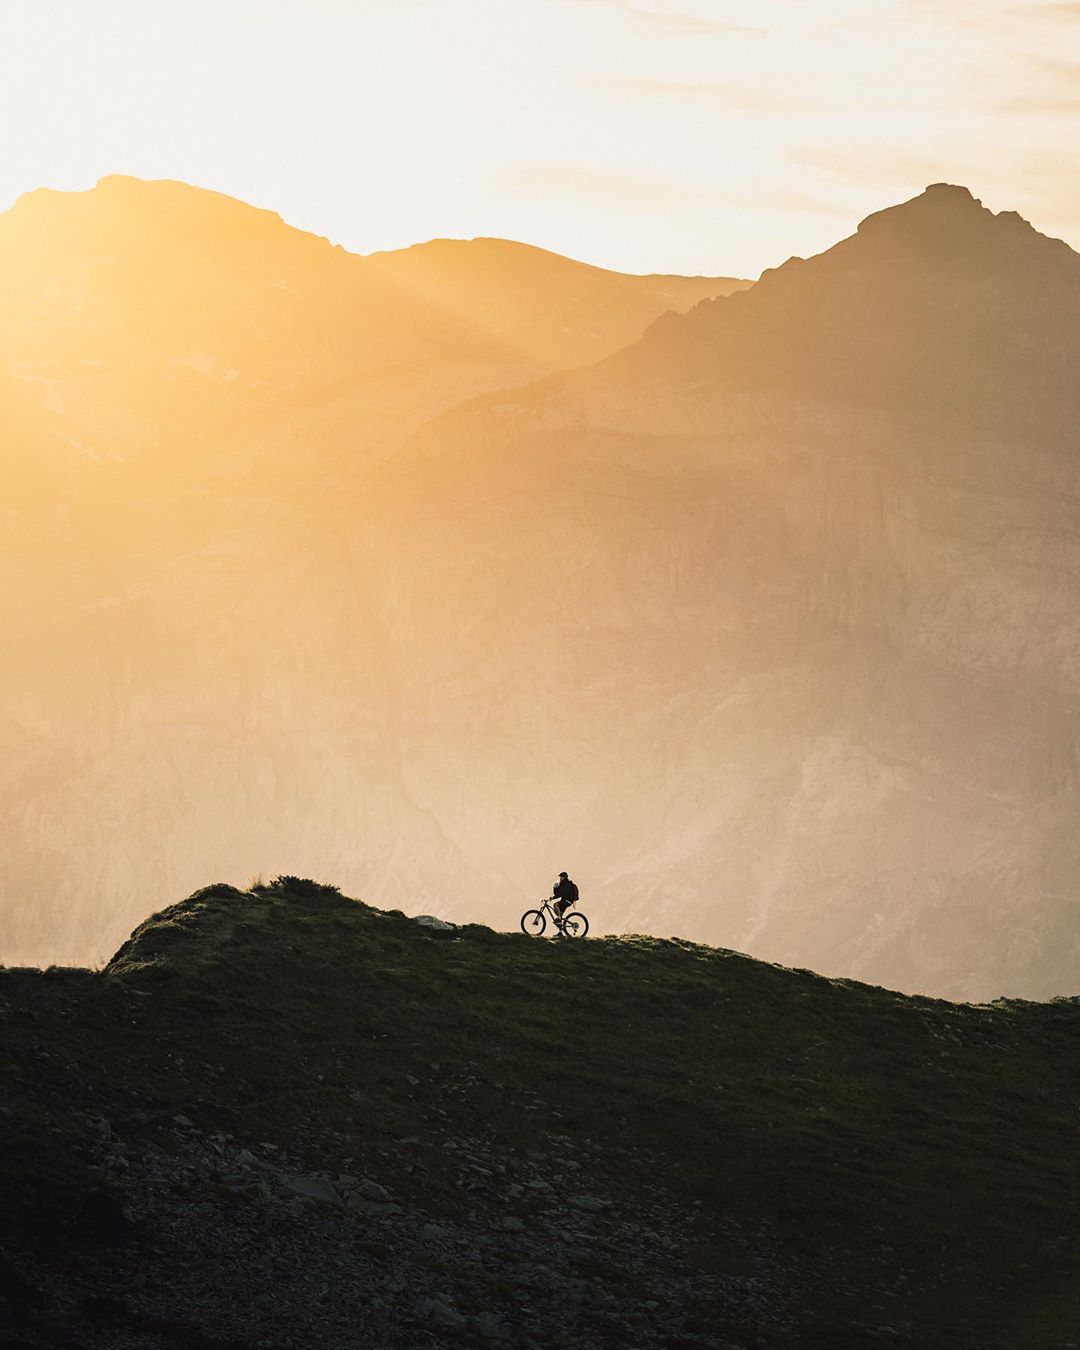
column 161, row 250
column 510, row 287
column 172, row 303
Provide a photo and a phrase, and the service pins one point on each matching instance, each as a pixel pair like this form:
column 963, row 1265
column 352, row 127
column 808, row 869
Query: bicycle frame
column 545, row 909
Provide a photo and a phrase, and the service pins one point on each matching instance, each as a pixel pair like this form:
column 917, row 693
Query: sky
column 704, row 136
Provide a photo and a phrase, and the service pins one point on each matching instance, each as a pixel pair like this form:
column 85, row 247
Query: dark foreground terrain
column 282, row 1118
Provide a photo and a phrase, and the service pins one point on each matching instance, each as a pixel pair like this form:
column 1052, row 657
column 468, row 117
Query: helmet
column 564, row 876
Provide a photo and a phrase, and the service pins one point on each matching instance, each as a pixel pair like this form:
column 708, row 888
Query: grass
column 908, row 1159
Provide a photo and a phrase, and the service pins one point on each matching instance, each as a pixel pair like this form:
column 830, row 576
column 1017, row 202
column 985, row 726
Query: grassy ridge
column 904, row 1163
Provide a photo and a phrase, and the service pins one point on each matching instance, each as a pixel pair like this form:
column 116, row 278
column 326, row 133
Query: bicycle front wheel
column 533, row 922
column 575, row 925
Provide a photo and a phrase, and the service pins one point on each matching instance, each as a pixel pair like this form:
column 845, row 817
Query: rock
column 313, row 1188
column 440, row 1312
column 430, row 921
column 486, row 1324
column 589, row 1202
column 183, row 1122
column 377, row 1209
column 370, row 1190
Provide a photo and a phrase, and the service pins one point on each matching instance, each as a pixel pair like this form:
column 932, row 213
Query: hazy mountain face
column 194, row 399
column 764, row 627
column 153, row 323
column 780, row 608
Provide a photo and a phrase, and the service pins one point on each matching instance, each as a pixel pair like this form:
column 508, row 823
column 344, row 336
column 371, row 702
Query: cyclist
column 565, row 894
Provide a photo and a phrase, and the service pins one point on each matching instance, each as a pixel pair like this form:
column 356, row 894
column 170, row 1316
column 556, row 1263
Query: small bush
column 302, row 887
column 219, row 890
column 476, row 932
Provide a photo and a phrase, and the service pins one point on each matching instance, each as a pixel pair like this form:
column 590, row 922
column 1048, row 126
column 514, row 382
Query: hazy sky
column 690, row 135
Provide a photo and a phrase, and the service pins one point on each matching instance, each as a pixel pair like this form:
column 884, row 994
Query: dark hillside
column 280, row 1117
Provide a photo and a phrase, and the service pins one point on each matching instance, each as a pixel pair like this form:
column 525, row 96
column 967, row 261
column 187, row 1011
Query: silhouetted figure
column 565, row 894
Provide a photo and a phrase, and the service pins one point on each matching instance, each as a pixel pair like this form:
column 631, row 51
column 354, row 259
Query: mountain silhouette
column 556, row 311
column 937, row 308
column 203, row 318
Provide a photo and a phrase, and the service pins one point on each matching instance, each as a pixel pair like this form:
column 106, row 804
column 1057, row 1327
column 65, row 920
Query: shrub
column 219, row 890
column 302, row 887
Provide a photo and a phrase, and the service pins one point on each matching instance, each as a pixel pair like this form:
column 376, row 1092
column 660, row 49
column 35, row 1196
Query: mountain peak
column 127, row 212
column 940, row 203
column 944, row 240
column 939, row 199
column 937, row 283
column 946, row 221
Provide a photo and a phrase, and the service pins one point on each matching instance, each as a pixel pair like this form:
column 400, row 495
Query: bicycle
column 534, row 921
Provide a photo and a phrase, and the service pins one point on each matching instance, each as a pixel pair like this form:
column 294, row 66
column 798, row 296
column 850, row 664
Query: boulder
column 313, row 1188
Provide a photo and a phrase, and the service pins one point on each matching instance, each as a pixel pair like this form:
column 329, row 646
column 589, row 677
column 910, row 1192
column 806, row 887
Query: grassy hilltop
column 282, row 1118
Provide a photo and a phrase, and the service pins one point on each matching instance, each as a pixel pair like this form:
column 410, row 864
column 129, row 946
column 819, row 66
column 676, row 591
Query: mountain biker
column 565, row 894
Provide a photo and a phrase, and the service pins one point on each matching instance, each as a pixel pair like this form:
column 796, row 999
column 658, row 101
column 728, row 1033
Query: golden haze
column 762, row 622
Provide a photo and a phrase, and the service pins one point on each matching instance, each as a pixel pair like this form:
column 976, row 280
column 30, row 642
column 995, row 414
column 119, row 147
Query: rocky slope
column 281, row 1118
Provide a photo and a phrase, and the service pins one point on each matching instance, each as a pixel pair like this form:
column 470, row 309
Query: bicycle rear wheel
column 533, row 922
column 575, row 925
